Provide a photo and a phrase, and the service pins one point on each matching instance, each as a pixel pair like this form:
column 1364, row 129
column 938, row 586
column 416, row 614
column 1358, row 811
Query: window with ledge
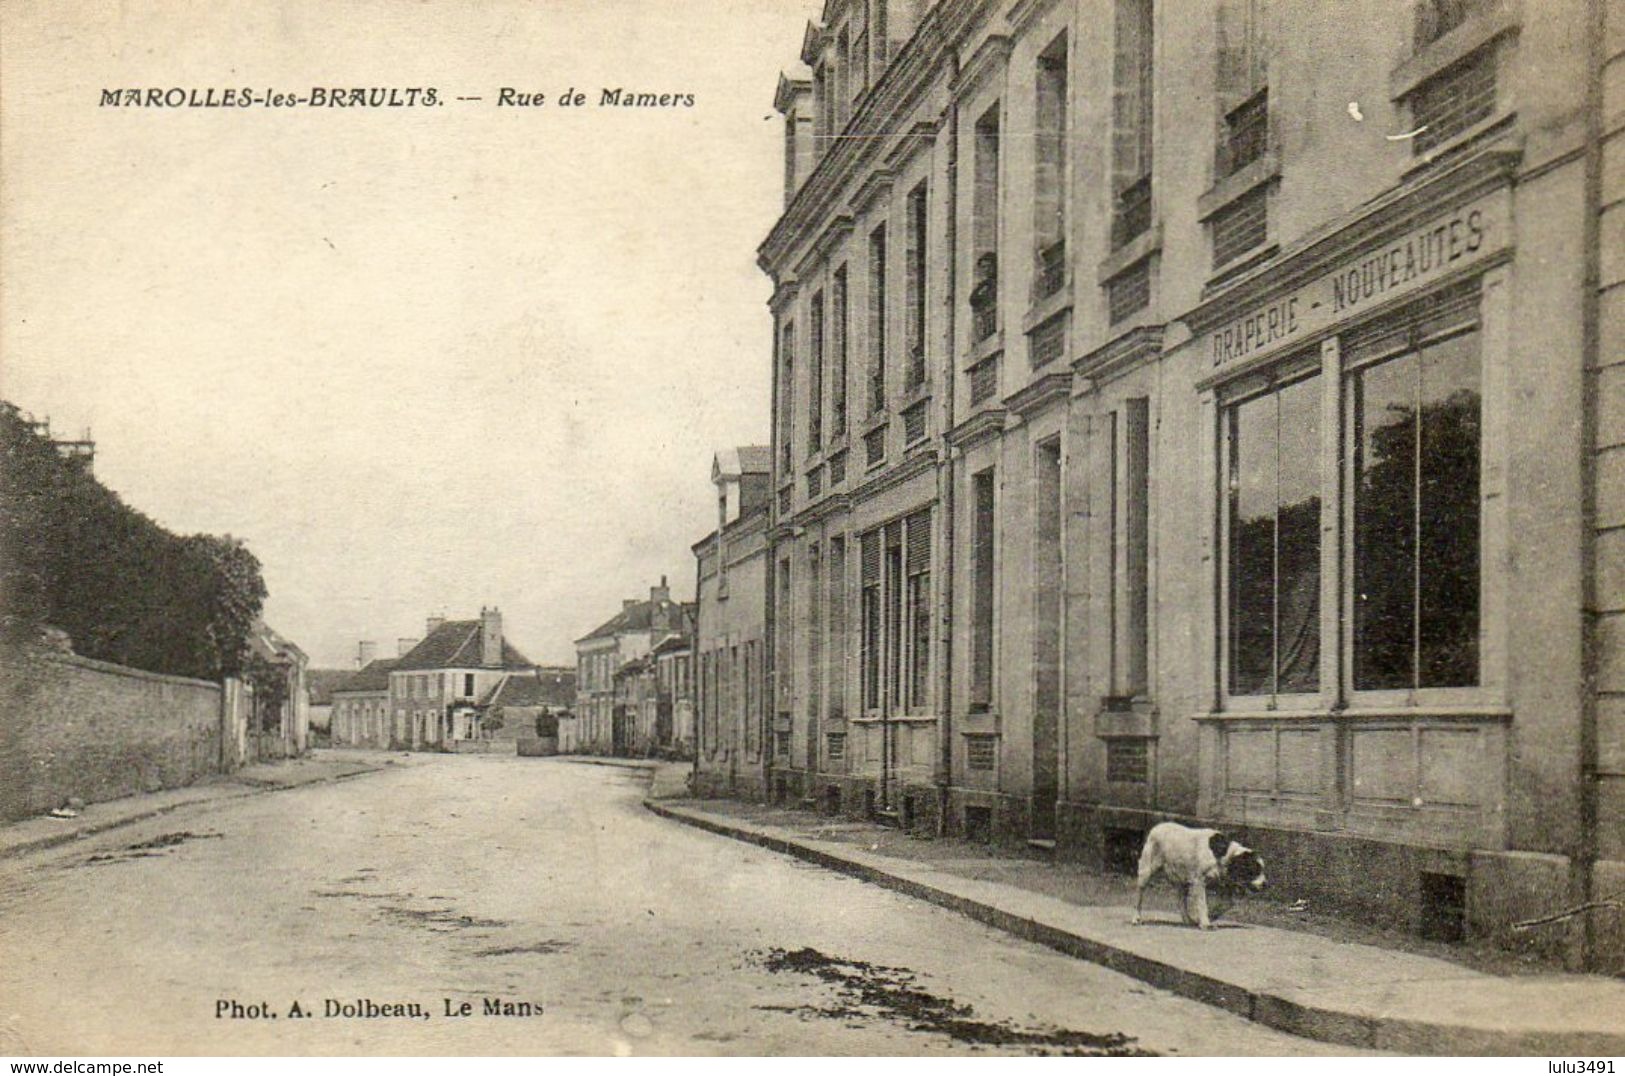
column 877, row 320
column 1132, row 119
column 1246, row 134
column 918, row 559
column 1240, row 227
column 917, row 223
column 787, row 400
column 1049, row 168
column 984, row 296
column 1452, row 101
column 982, row 566
column 914, row 422
column 815, row 376
column 837, row 628
column 984, row 380
column 1129, row 291
column 840, row 341
column 1130, row 462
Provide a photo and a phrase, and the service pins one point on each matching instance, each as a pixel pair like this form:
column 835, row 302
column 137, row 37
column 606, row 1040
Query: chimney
column 662, row 593
column 432, row 623
column 627, row 603
column 403, row 644
column 366, row 653
column 490, row 636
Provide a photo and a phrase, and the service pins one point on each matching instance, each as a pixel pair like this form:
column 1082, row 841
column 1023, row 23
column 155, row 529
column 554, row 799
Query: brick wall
column 70, row 726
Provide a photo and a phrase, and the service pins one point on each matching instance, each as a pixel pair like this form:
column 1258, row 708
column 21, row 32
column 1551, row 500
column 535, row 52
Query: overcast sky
column 421, row 360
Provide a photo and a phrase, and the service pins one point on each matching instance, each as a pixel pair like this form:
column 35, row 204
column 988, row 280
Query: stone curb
column 614, row 763
column 1403, row 1035
column 245, row 788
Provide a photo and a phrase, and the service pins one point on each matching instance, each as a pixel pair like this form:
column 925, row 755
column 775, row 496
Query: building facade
column 360, row 715
column 603, row 724
column 1203, row 411
column 731, row 728
column 437, row 687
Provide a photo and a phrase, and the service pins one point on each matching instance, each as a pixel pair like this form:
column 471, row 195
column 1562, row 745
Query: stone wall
column 73, row 727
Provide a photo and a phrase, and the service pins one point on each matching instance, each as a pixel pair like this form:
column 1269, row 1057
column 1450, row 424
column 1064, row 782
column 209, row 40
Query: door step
column 1041, row 844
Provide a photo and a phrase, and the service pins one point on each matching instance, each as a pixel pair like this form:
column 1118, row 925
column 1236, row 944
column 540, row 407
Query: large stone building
column 1213, row 410
column 730, row 634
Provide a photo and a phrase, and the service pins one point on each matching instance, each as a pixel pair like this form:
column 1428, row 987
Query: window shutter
column 919, row 542
column 871, row 558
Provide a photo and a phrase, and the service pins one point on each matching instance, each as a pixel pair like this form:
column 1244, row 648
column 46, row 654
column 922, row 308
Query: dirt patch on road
column 439, row 920
column 148, row 849
column 541, row 947
column 865, row 990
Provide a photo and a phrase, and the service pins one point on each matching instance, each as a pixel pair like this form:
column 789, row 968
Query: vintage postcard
column 812, row 527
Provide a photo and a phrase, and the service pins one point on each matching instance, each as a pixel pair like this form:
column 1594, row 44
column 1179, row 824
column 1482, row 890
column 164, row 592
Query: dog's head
column 1242, row 866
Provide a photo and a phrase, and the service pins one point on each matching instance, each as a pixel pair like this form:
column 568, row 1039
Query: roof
column 746, row 459
column 269, row 643
column 671, row 644
column 546, row 687
column 323, row 682
column 638, row 616
column 374, row 677
column 455, row 644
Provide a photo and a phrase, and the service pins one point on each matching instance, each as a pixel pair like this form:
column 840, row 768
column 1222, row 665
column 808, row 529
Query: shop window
column 1273, row 540
column 1414, row 443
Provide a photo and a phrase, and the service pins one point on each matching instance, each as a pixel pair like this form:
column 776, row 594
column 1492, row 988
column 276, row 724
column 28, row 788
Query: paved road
column 450, row 880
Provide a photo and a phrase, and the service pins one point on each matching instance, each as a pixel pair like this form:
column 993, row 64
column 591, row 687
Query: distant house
column 360, row 715
column 281, row 714
column 526, row 707
column 602, row 724
column 436, row 688
column 319, row 684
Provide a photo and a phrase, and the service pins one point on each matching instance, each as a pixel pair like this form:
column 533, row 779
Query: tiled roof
column 755, row 459
column 455, row 644
column 323, row 682
column 375, row 677
column 543, row 688
column 636, row 617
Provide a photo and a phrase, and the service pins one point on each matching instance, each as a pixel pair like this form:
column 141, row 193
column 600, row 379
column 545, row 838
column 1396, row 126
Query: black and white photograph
column 812, row 528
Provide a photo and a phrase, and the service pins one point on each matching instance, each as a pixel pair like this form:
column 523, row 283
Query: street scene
column 534, row 882
column 813, row 527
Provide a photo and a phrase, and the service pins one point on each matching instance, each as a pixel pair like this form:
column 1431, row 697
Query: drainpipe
column 694, row 679
column 1582, row 867
column 946, row 468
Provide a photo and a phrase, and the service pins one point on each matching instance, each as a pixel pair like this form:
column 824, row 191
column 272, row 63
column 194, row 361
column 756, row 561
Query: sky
column 422, row 360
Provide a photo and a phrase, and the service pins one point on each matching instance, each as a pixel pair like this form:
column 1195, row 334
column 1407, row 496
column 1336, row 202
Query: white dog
column 1191, row 858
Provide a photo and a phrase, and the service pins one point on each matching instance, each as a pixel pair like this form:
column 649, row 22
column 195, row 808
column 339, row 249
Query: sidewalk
column 1296, row 981
column 35, row 834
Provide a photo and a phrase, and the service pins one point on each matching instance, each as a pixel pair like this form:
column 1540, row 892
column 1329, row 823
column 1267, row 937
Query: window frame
column 1297, row 368
column 1408, row 697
